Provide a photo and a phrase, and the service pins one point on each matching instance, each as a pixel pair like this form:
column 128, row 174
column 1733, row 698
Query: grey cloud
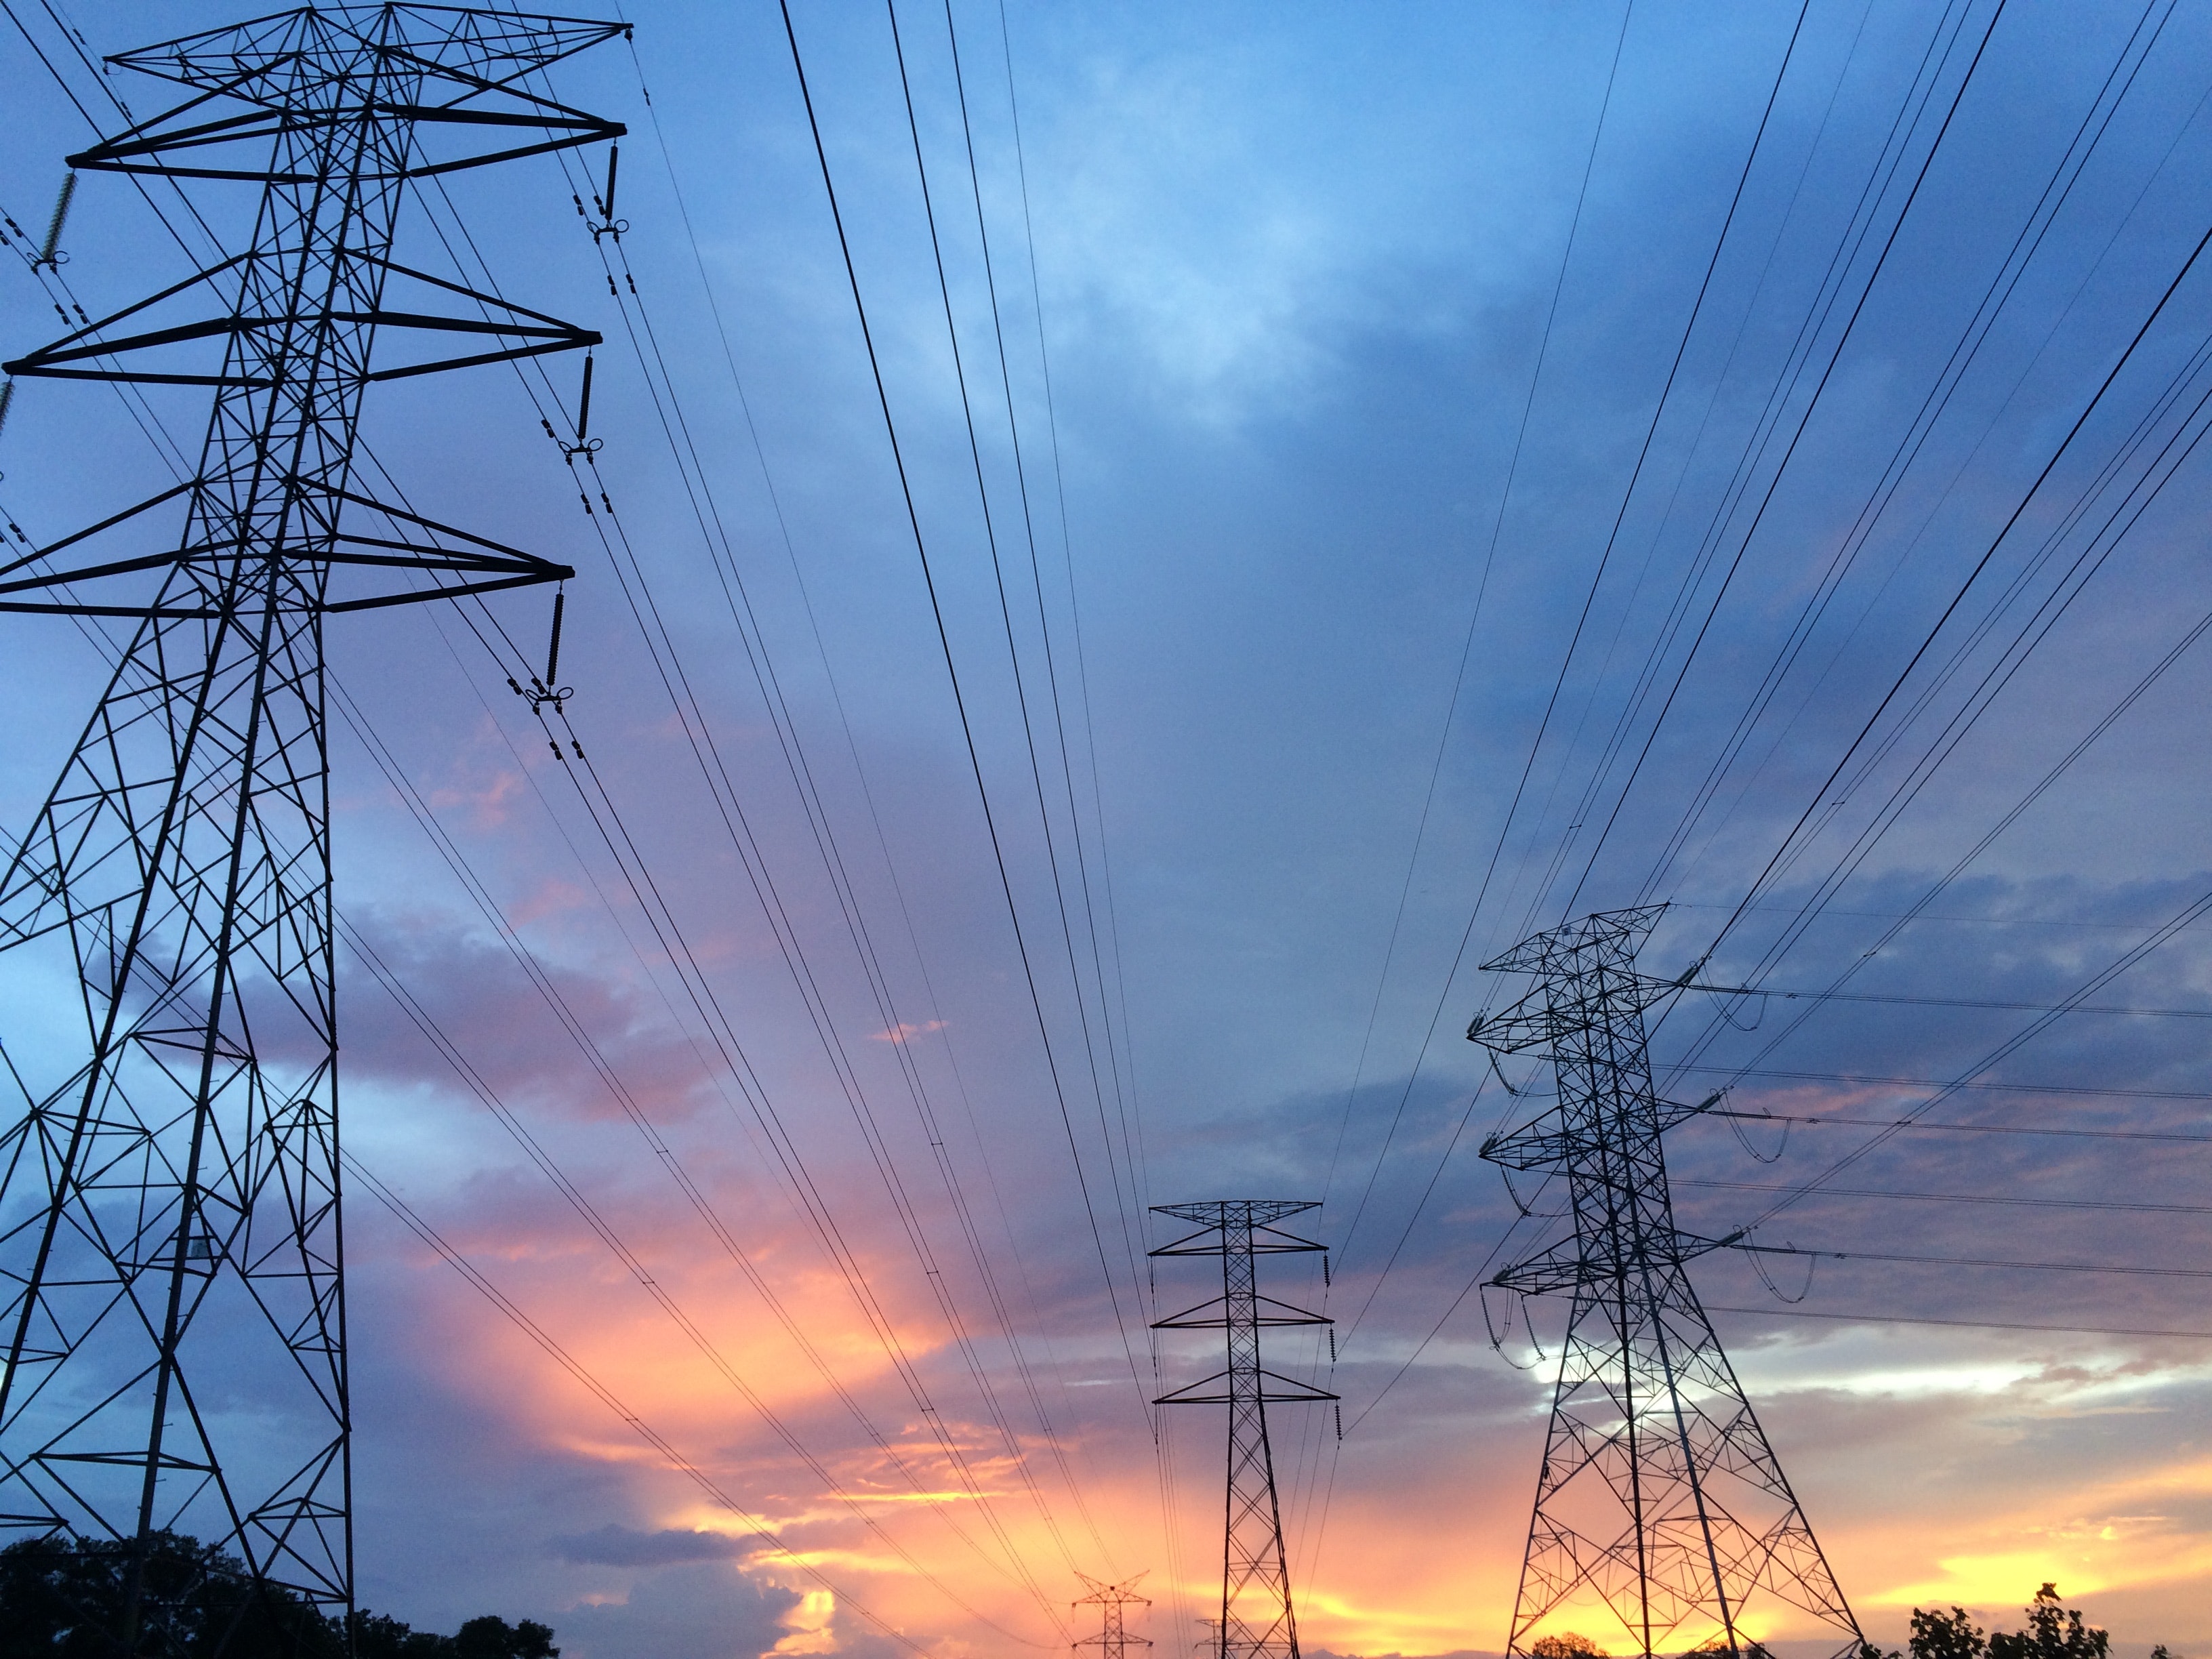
column 616, row 1545
column 696, row 1611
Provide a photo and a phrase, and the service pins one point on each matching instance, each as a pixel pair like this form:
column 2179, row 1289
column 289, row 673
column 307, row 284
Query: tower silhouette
column 1257, row 1618
column 1113, row 1639
column 1659, row 1498
column 171, row 1235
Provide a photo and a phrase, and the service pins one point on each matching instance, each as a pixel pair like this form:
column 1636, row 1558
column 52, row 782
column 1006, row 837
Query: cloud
column 692, row 1611
column 617, row 1545
column 515, row 1042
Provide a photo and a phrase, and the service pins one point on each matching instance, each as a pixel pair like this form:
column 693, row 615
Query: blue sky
column 1357, row 323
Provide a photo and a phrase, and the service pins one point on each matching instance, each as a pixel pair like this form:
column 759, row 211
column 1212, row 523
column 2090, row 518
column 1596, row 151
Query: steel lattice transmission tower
column 1256, row 1616
column 1659, row 1497
column 170, row 1229
column 1113, row 1640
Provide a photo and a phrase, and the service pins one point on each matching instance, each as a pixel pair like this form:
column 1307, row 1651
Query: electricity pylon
column 1112, row 1640
column 1257, row 1621
column 1658, row 1496
column 171, row 1240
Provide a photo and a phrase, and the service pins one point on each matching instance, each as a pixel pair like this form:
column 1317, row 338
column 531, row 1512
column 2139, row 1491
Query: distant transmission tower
column 1112, row 1640
column 1659, row 1497
column 1256, row 1618
column 170, row 1232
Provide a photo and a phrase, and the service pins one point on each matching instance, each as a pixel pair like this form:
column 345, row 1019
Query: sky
column 1392, row 480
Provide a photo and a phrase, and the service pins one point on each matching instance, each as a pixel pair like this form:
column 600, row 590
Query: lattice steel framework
column 1659, row 1498
column 1257, row 1618
column 171, row 1240
column 1113, row 1640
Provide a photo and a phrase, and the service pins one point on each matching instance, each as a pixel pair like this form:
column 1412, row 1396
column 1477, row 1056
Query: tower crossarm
column 1527, row 1024
column 1538, row 1021
column 457, row 562
column 532, row 332
column 1549, row 1141
column 1256, row 1215
column 478, row 51
column 1571, row 1263
column 1218, row 1314
column 425, row 66
column 1221, row 1389
column 1544, row 1142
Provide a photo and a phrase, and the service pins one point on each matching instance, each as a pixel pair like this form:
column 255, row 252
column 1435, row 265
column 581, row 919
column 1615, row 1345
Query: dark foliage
column 378, row 1636
column 2054, row 1631
column 68, row 1599
column 1950, row 1635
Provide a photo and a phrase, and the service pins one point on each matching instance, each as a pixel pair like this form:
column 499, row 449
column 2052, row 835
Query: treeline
column 70, row 1598
column 2052, row 1632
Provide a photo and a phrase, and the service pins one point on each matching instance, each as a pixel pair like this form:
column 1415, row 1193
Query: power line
column 1804, row 422
column 700, row 734
column 1917, row 1123
column 1959, row 598
column 1966, row 1198
column 1981, row 699
column 1859, row 224
column 1052, row 679
column 1959, row 866
column 2073, row 301
column 427, row 1024
column 998, row 572
column 641, row 881
column 1958, row 1324
column 1689, row 327
column 1873, row 1079
column 1903, row 999
column 1581, row 621
column 945, row 644
column 1162, row 1441
column 1977, row 1261
column 645, row 611
column 2104, row 976
column 1994, row 300
column 1131, row 1149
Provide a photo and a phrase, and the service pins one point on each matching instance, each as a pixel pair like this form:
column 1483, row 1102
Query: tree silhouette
column 64, row 1598
column 2054, row 1631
